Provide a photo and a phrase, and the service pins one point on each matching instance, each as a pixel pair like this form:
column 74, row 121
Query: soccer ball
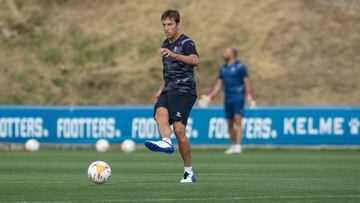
column 99, row 172
column 128, row 146
column 102, row 145
column 32, row 145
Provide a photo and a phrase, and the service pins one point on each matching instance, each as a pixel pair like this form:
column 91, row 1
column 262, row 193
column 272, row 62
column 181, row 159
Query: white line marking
column 199, row 199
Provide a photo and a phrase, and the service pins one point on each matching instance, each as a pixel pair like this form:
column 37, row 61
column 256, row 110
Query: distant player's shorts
column 178, row 105
column 234, row 108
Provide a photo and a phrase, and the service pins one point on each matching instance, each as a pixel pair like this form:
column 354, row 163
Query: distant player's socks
column 188, row 170
column 237, row 149
column 188, row 178
column 160, row 146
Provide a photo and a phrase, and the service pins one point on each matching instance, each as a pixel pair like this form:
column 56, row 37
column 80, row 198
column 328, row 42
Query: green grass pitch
column 143, row 176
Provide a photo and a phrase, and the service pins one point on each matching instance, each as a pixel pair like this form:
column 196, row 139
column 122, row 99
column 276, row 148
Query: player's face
column 227, row 54
column 170, row 27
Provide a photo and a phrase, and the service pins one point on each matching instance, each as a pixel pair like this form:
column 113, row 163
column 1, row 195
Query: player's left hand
column 167, row 53
column 250, row 101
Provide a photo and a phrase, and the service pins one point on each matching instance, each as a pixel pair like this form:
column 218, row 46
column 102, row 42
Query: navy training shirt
column 232, row 76
column 179, row 76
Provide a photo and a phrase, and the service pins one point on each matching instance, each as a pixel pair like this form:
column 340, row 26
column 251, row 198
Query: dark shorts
column 234, row 108
column 178, row 105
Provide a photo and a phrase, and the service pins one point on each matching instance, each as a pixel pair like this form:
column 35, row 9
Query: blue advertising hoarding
column 262, row 126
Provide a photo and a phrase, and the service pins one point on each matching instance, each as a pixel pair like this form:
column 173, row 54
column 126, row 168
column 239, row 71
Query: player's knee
column 179, row 129
column 230, row 123
column 231, row 127
column 160, row 115
column 237, row 120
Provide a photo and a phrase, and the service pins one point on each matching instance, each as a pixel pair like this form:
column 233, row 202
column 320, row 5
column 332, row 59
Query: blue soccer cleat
column 160, row 146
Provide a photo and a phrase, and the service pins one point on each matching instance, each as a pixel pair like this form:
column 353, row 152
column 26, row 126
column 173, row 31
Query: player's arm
column 158, row 93
column 192, row 59
column 190, row 54
column 216, row 89
column 248, row 89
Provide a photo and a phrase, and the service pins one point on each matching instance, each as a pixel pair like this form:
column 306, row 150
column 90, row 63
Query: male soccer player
column 233, row 75
column 177, row 94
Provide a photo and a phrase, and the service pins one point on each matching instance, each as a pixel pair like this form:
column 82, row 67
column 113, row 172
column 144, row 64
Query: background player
column 233, row 75
column 177, row 94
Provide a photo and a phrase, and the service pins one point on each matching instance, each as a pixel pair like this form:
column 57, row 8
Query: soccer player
column 233, row 75
column 177, row 94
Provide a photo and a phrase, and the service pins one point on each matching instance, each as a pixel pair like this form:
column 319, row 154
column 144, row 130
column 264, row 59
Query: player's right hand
column 166, row 52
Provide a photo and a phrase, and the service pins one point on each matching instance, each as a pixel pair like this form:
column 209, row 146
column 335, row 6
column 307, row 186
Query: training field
column 255, row 176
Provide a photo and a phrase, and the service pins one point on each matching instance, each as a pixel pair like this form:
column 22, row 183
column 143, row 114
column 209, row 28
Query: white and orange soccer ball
column 32, row 145
column 102, row 145
column 99, row 172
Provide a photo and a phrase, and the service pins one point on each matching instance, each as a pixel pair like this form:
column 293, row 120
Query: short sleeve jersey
column 232, row 76
column 179, row 76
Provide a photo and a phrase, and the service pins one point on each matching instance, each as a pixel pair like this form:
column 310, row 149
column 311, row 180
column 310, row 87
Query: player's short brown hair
column 172, row 14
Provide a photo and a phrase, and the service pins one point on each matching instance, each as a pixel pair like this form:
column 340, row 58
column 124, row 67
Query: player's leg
column 162, row 119
column 232, row 133
column 184, row 145
column 185, row 151
column 239, row 133
column 181, row 106
column 229, row 113
column 238, row 111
